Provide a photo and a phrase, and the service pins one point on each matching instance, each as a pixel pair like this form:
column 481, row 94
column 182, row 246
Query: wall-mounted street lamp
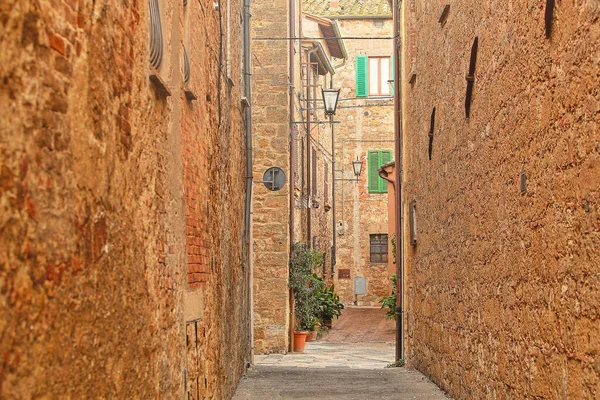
column 357, row 167
column 330, row 100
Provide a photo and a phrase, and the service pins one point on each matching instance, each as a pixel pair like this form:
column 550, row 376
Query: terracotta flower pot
column 313, row 335
column 299, row 340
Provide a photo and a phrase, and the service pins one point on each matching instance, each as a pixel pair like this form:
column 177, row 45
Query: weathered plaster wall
column 93, row 247
column 367, row 127
column 271, row 148
column 503, row 298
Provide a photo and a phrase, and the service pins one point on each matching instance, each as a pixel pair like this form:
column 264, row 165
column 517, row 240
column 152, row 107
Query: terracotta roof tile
column 349, row 8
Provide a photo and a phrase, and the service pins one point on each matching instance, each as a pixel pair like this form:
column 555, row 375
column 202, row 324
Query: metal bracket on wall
column 431, row 126
column 549, row 16
column 412, row 220
column 471, row 77
column 161, row 86
column 523, row 182
column 412, row 78
column 444, row 14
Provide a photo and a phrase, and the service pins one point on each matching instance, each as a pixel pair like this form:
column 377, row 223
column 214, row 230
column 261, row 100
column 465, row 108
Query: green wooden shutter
column 373, row 166
column 386, row 157
column 362, row 79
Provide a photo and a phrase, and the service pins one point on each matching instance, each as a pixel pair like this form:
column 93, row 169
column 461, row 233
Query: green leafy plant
column 329, row 304
column 306, row 285
column 397, row 364
column 390, row 302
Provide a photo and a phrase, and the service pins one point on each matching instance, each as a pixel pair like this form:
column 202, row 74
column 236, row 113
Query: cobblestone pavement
column 339, row 366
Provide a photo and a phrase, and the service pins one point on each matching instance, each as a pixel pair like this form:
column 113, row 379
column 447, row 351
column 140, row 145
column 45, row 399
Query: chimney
column 334, row 5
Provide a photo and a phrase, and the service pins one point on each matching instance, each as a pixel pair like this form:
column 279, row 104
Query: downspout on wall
column 309, row 53
column 293, row 144
column 398, row 178
column 248, row 202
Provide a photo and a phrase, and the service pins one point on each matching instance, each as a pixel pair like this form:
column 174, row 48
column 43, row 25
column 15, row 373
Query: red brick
column 57, row 43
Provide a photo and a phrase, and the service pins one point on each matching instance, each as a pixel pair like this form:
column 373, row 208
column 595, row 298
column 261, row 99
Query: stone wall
column 503, row 297
column 271, row 244
column 368, row 126
column 94, row 164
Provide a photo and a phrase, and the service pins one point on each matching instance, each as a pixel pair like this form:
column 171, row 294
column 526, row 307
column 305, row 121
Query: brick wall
column 94, row 160
column 502, row 295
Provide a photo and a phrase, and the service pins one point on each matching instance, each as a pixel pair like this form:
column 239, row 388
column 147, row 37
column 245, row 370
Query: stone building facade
column 502, row 285
column 121, row 200
column 292, row 131
column 271, row 209
column 365, row 127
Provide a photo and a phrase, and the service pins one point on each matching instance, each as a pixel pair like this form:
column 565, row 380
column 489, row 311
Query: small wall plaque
column 343, row 274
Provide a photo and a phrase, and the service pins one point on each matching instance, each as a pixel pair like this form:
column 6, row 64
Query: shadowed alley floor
column 348, row 363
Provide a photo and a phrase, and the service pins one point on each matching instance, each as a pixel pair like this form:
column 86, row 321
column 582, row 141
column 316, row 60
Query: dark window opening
column 379, row 248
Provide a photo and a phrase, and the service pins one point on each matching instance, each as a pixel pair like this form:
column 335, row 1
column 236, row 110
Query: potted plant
column 329, row 305
column 305, row 285
column 299, row 340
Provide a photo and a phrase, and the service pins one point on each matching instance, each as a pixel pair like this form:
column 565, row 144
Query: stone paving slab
column 326, row 355
column 283, row 382
column 348, row 364
column 335, row 371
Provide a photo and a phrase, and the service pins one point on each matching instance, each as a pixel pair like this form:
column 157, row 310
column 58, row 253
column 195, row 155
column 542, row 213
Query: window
column 372, row 76
column 376, row 159
column 379, row 75
column 379, row 248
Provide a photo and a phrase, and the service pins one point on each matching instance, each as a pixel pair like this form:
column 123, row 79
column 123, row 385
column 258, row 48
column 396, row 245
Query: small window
column 373, row 75
column 379, row 75
column 379, row 248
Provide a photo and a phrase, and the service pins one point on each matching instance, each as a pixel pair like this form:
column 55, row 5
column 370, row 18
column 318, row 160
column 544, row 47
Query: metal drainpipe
column 291, row 48
column 334, row 233
column 248, row 203
column 308, row 152
column 398, row 178
column 384, row 175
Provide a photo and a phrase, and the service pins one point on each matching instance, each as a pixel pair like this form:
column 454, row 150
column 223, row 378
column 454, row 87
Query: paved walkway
column 339, row 366
column 361, row 325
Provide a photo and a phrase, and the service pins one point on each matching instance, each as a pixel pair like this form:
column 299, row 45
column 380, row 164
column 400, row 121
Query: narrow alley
column 299, row 199
column 347, row 363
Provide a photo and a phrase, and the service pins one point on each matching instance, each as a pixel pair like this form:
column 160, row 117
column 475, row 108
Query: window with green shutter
column 362, row 83
column 377, row 158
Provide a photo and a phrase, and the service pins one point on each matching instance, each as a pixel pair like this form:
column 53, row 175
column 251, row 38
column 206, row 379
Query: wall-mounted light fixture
column 330, row 100
column 357, row 167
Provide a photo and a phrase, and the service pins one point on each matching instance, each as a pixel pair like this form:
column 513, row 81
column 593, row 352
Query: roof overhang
column 321, row 58
column 331, row 31
column 388, row 165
